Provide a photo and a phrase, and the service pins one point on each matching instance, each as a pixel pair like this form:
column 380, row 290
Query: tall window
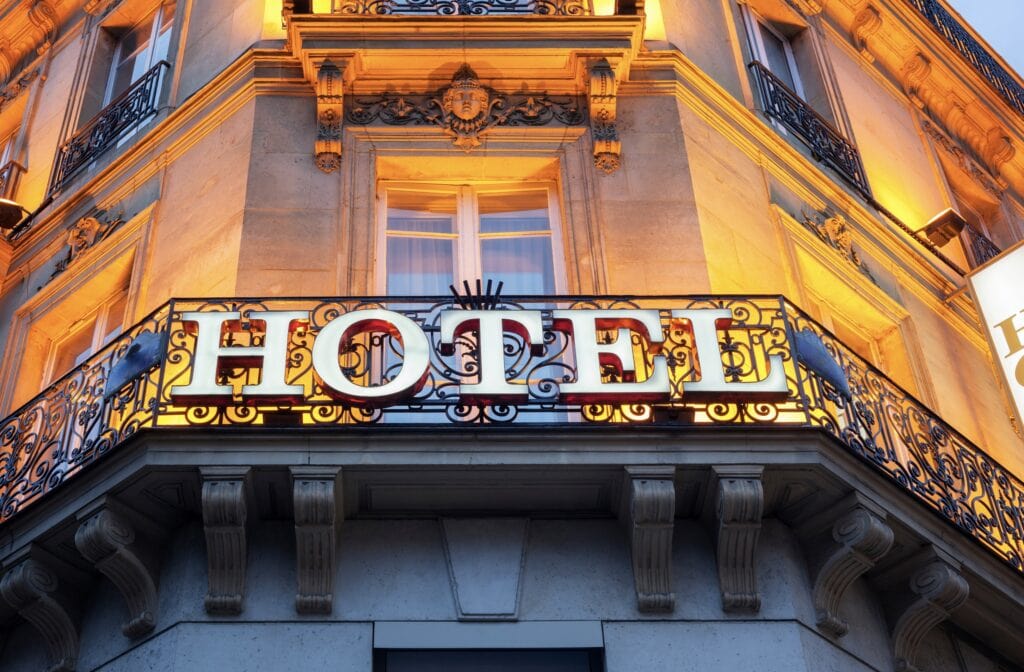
column 139, row 48
column 774, row 50
column 87, row 336
column 435, row 235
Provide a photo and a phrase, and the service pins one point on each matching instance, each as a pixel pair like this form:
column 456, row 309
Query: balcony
column 456, row 7
column 124, row 114
column 980, row 250
column 826, row 144
column 126, row 389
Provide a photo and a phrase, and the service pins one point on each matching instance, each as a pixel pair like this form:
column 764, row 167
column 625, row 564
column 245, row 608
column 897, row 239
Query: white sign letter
column 491, row 326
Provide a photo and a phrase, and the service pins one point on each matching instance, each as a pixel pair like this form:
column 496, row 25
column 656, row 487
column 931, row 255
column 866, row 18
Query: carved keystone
column 316, row 493
column 936, row 590
column 739, row 505
column 329, row 102
column 601, row 93
column 859, row 538
column 652, row 513
column 224, row 517
column 106, row 537
column 32, row 588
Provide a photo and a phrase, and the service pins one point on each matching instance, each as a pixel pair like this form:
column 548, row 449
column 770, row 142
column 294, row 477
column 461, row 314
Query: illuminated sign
column 1000, row 300
column 615, row 356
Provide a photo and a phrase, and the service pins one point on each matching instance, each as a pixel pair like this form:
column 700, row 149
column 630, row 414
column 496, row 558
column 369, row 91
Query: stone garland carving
column 915, row 73
column 602, row 100
column 865, row 24
column 107, row 540
column 861, row 538
column 86, row 233
column 329, row 104
column 316, row 496
column 652, row 509
column 44, row 17
column 979, row 174
column 224, row 519
column 739, row 507
column 15, row 88
column 940, row 589
column 809, row 7
column 834, row 232
column 466, row 110
column 31, row 588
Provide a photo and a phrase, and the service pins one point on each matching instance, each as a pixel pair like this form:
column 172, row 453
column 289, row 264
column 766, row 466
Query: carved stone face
column 466, row 100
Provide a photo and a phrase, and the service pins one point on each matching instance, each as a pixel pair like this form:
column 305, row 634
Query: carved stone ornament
column 329, row 105
column 962, row 158
column 316, row 496
column 652, row 513
column 31, row 587
column 809, row 7
column 939, row 589
column 16, row 87
column 835, row 232
column 44, row 17
column 915, row 75
column 98, row 7
column 466, row 110
column 6, row 59
column 865, row 24
column 999, row 149
column 602, row 100
column 739, row 506
column 106, row 538
column 224, row 518
column 85, row 234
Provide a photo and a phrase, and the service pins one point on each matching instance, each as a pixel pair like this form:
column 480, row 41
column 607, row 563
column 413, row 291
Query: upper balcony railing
column 459, row 7
column 114, row 122
column 980, row 249
column 127, row 388
column 963, row 42
column 825, row 142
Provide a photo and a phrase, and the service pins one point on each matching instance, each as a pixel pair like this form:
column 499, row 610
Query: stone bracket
column 652, row 512
column 329, row 115
column 106, row 537
column 865, row 24
column 739, row 505
column 316, row 495
column 602, row 100
column 225, row 512
column 936, row 589
column 853, row 536
column 31, row 586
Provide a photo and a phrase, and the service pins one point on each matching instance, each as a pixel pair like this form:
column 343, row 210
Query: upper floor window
column 774, row 50
column 87, row 336
column 436, row 235
column 139, row 48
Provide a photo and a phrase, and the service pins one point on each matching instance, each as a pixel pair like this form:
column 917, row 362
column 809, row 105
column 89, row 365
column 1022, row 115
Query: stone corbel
column 316, row 495
column 936, row 589
column 602, row 98
column 915, row 73
column 652, row 513
column 999, row 149
column 225, row 511
column 865, row 24
column 44, row 17
column 739, row 505
column 329, row 115
column 121, row 544
column 32, row 588
column 843, row 542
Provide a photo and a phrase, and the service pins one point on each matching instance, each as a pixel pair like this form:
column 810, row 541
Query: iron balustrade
column 123, row 114
column 973, row 52
column 462, row 7
column 980, row 248
column 76, row 420
column 825, row 142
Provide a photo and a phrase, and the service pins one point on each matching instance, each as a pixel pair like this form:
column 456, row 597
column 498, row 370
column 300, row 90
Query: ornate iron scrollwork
column 463, row 7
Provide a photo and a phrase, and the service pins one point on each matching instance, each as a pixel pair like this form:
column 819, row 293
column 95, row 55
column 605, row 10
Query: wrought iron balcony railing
column 975, row 54
column 462, row 7
column 979, row 248
column 825, row 142
column 97, row 407
column 113, row 123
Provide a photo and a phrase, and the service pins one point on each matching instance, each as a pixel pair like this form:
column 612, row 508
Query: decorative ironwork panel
column 981, row 248
column 462, row 7
column 975, row 54
column 826, row 144
column 116, row 120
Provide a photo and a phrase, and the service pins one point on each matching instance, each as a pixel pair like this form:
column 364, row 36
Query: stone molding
column 225, row 513
column 44, row 19
column 32, row 588
column 602, row 99
column 652, row 512
column 329, row 111
column 316, row 494
column 739, row 505
column 865, row 24
column 106, row 537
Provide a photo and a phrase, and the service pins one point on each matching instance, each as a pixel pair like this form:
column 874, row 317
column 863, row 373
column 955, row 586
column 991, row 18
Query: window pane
column 778, row 63
column 163, row 37
column 115, row 318
column 73, row 350
column 523, row 264
column 419, row 266
column 422, row 212
column 491, row 661
column 518, row 211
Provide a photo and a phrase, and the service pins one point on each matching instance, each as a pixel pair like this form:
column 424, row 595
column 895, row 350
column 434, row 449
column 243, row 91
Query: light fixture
column 11, row 213
column 944, row 227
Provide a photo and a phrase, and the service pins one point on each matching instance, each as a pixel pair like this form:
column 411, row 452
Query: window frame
column 159, row 15
column 104, row 331
column 753, row 23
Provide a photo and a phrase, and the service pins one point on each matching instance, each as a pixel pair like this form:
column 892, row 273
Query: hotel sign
column 999, row 294
column 605, row 356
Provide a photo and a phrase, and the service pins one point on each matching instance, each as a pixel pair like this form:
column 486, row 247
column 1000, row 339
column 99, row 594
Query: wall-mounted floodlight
column 11, row 213
column 944, row 227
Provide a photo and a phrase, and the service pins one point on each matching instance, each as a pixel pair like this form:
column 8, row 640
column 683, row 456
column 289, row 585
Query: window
column 138, row 49
column 436, row 235
column 87, row 336
column 521, row 660
column 774, row 50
